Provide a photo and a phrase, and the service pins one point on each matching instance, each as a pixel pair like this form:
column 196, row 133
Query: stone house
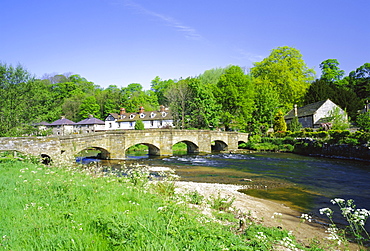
column 312, row 115
column 151, row 120
column 62, row 126
column 89, row 125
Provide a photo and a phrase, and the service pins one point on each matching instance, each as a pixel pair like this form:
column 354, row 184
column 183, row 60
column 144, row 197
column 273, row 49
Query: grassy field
column 64, row 208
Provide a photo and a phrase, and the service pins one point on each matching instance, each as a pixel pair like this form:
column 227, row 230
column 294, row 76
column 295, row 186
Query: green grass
column 55, row 208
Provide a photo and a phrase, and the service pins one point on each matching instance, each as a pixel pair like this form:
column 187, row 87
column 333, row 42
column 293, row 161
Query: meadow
column 76, row 208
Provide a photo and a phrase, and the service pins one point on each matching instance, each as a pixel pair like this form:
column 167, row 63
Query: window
column 142, row 115
column 164, row 114
column 110, row 125
column 151, row 123
column 152, row 114
column 132, row 116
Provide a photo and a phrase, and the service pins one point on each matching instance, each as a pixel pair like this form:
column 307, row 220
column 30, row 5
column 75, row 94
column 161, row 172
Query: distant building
column 89, row 125
column 62, row 126
column 152, row 120
column 312, row 115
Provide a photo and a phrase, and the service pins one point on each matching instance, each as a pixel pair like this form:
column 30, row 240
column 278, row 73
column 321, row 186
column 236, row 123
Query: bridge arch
column 191, row 147
column 152, row 149
column 103, row 153
column 219, row 145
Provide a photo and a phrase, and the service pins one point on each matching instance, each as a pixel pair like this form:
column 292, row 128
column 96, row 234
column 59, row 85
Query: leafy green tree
column 212, row 76
column 159, row 87
column 279, row 122
column 204, row 111
column 266, row 105
column 139, row 125
column 177, row 96
column 338, row 118
column 286, row 72
column 235, row 93
column 330, row 71
column 359, row 81
column 109, row 100
column 87, row 107
column 133, row 96
column 363, row 121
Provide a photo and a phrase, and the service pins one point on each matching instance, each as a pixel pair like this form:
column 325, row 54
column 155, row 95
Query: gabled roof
column 114, row 115
column 62, row 121
column 91, row 121
column 306, row 110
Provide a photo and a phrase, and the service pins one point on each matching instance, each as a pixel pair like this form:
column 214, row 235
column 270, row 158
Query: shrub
column 139, row 125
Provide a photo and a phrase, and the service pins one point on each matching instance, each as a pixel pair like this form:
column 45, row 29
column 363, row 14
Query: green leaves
column 286, row 72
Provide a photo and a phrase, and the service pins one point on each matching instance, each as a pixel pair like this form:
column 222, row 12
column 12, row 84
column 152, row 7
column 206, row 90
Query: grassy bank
column 54, row 208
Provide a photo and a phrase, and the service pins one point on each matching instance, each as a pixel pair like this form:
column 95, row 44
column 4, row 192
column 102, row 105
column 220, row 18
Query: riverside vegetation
column 306, row 141
column 75, row 208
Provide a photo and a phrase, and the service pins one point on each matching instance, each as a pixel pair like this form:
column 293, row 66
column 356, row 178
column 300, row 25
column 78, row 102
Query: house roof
column 62, row 121
column 114, row 115
column 306, row 110
column 43, row 123
column 91, row 121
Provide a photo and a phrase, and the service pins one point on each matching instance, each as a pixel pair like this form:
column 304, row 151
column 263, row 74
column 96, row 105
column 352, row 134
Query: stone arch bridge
column 113, row 144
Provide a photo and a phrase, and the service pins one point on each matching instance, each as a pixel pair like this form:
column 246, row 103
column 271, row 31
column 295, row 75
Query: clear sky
column 133, row 41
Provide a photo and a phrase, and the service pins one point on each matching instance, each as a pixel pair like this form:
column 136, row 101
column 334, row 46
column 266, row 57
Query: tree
column 294, row 125
column 319, row 90
column 363, row 121
column 286, row 72
column 88, row 107
column 266, row 105
column 338, row 118
column 204, row 111
column 139, row 125
column 133, row 97
column 177, row 96
column 359, row 81
column 330, row 71
column 160, row 87
column 235, row 93
column 279, row 122
column 344, row 97
column 16, row 88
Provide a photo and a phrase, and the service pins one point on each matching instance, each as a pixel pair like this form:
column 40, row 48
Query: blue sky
column 133, row 41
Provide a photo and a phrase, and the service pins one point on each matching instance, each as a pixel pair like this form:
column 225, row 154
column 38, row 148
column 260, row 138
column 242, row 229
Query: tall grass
column 54, row 208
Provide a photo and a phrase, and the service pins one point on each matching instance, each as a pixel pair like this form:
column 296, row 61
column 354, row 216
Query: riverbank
column 265, row 212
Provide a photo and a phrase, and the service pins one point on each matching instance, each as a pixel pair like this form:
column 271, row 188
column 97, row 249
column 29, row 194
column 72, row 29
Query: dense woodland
column 230, row 98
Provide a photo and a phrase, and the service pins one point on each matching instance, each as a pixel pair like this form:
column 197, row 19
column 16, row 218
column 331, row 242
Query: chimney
column 161, row 108
column 141, row 109
column 62, row 117
column 295, row 110
column 122, row 111
column 90, row 116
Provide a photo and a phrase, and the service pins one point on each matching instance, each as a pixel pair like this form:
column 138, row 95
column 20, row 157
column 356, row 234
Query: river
column 301, row 182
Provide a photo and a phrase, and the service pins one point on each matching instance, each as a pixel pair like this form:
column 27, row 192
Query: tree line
column 230, row 98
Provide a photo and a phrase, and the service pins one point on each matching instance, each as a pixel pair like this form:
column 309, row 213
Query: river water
column 301, row 182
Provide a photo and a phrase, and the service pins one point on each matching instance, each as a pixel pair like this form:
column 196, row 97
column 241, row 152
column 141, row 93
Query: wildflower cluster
column 356, row 219
column 288, row 243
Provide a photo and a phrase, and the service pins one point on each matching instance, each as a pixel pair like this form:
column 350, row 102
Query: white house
column 314, row 114
column 151, row 120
